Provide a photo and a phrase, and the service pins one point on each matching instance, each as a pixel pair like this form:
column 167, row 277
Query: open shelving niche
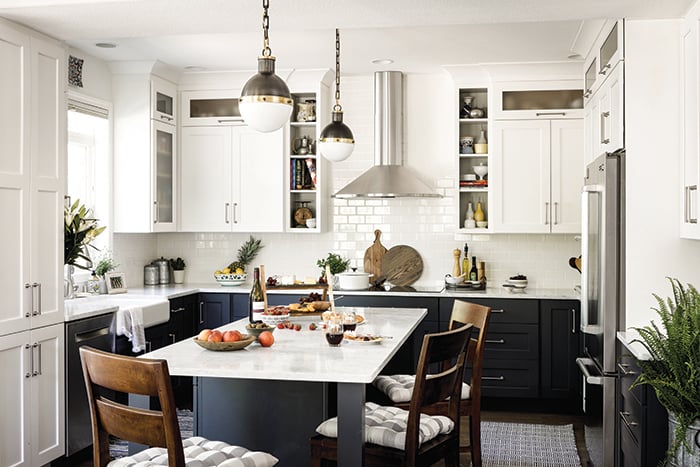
column 466, row 162
column 305, row 86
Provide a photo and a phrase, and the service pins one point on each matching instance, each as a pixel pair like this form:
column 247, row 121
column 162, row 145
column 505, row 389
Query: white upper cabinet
column 211, row 107
column 145, row 153
column 538, row 99
column 232, row 180
column 537, row 176
column 32, row 166
column 607, row 52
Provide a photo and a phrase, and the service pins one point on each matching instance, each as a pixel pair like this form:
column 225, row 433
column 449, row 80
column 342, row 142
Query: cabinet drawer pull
column 573, row 321
column 495, row 341
column 691, row 219
column 166, row 118
column 201, row 312
column 178, row 310
column 494, row 378
column 603, row 117
column 28, row 314
column 172, row 337
column 226, row 206
column 546, row 213
column 543, row 114
column 555, row 213
column 36, row 286
column 587, row 93
column 500, row 310
column 603, row 71
column 155, row 212
column 36, row 372
column 235, row 213
column 629, row 423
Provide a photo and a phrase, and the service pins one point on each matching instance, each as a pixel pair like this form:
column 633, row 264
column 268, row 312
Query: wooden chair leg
column 475, row 438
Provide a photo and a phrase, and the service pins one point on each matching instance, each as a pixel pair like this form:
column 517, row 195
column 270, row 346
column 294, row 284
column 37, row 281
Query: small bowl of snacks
column 519, row 281
column 230, row 280
column 275, row 315
column 454, row 280
column 258, row 327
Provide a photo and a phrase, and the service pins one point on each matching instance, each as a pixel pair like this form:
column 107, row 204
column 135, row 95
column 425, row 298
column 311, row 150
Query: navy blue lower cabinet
column 213, row 310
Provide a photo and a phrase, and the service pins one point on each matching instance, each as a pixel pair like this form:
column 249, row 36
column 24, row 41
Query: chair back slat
column 431, row 388
column 132, row 376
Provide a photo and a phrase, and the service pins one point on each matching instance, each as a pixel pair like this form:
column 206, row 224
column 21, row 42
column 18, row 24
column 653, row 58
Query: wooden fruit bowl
column 245, row 341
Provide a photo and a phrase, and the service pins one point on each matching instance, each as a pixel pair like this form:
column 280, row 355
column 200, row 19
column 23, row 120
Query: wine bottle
column 465, row 260
column 256, row 300
column 474, row 272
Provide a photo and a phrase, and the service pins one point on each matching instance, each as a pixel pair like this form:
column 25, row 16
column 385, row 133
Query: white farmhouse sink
column 155, row 310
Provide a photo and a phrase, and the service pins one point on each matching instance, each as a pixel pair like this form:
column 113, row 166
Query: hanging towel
column 129, row 323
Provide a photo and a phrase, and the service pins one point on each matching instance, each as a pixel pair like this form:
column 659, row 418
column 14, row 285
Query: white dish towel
column 130, row 324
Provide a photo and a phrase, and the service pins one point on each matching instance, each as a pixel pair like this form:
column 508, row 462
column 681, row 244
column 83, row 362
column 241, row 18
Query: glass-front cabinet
column 164, row 160
column 210, row 107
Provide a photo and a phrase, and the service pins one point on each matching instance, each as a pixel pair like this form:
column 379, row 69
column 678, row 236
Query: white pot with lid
column 353, row 280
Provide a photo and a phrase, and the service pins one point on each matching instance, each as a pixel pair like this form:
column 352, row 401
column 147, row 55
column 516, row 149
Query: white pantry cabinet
column 32, row 177
column 232, row 179
column 604, row 116
column 690, row 150
column 537, row 176
column 145, row 153
column 32, row 398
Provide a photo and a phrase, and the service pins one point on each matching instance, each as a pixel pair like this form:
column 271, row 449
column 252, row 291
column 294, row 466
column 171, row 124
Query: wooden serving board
column 402, row 265
column 373, row 257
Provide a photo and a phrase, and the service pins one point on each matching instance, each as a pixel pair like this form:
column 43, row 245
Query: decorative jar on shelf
column 469, row 222
column 465, row 111
column 479, row 213
column 481, row 146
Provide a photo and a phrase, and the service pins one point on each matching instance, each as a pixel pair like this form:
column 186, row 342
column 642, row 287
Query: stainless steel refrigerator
column 602, row 299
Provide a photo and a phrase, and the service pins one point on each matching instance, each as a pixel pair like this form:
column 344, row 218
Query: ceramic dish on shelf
column 230, row 280
column 245, row 341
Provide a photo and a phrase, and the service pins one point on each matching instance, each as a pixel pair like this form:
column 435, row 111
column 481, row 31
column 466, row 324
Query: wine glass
column 334, row 331
column 349, row 321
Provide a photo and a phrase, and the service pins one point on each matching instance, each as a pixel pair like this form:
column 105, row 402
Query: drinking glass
column 334, row 331
column 349, row 320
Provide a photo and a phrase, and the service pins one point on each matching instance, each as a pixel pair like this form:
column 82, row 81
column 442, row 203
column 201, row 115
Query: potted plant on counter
column 178, row 265
column 674, row 369
column 79, row 229
column 104, row 265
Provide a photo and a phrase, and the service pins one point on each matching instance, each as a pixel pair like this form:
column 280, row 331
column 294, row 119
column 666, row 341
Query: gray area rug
column 521, row 444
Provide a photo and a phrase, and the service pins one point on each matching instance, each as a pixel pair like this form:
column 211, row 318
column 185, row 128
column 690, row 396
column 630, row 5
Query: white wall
column 654, row 249
column 425, row 224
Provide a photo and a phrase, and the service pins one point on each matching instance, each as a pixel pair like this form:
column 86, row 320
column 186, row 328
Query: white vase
column 179, row 276
column 68, row 283
column 103, row 285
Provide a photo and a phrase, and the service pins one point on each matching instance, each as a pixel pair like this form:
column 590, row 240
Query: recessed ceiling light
column 105, row 45
column 195, row 68
column 382, row 61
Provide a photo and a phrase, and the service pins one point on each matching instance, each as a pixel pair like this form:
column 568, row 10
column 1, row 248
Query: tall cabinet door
column 48, row 394
column 567, row 180
column 164, row 176
column 258, row 198
column 690, row 149
column 48, row 148
column 14, row 400
column 522, row 169
column 15, row 176
column 205, row 190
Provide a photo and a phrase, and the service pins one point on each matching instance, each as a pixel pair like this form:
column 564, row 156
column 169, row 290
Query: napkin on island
column 130, row 324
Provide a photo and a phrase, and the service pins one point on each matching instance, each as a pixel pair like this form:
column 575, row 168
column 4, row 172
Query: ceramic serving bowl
column 230, row 279
column 454, row 280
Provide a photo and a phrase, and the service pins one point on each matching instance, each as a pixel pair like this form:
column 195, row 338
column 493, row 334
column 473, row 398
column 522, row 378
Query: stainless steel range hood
column 388, row 178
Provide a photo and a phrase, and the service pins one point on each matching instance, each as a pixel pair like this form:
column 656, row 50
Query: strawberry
column 312, row 326
column 280, row 325
column 297, row 327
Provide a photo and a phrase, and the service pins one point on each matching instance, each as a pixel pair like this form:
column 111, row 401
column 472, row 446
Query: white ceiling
column 419, row 35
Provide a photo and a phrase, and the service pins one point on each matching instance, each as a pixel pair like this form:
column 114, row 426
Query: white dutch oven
column 353, row 280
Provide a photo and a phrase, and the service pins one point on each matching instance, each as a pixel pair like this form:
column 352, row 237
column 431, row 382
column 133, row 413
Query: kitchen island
column 273, row 398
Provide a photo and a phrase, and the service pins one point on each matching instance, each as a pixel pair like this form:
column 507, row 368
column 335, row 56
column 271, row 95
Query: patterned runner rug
column 521, row 444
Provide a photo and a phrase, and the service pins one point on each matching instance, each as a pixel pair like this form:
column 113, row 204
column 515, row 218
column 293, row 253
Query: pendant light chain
column 337, row 107
column 266, row 25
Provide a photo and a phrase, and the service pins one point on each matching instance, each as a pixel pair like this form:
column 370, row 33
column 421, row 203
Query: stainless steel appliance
column 602, row 299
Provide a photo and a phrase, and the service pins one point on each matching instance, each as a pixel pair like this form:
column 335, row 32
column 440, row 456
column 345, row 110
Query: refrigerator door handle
column 587, row 191
column 586, row 365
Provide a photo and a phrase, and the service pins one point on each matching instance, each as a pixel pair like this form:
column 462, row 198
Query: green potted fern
column 674, row 369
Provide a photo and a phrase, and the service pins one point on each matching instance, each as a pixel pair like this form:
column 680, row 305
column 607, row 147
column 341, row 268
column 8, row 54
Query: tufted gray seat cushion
column 200, row 452
column 399, row 388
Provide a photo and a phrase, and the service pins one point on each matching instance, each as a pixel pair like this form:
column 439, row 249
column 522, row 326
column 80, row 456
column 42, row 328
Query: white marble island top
column 300, row 355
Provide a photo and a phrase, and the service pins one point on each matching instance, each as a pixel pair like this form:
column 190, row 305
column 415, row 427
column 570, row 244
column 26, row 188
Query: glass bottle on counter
column 474, row 273
column 256, row 300
column 465, row 260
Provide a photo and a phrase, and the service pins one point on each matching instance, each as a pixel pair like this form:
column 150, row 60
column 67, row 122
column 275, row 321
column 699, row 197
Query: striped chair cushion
column 386, row 426
column 399, row 388
column 200, row 452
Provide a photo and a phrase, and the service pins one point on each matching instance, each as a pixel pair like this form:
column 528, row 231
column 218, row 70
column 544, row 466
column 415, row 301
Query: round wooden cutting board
column 374, row 255
column 402, row 265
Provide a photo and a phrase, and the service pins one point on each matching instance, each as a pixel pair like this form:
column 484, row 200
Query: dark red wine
column 334, row 339
column 349, row 326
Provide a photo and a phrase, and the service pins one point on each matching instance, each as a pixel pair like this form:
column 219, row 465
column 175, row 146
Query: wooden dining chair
column 156, row 428
column 399, row 388
column 394, row 436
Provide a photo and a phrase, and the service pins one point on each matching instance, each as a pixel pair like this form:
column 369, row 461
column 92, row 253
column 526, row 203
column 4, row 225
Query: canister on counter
column 150, row 274
column 481, row 270
column 163, row 270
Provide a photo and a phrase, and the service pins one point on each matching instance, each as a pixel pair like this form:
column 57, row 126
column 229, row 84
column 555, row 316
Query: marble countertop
column 179, row 290
column 94, row 305
column 636, row 348
column 300, row 355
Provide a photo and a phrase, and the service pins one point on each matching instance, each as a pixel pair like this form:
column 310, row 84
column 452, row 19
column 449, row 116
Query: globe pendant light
column 265, row 102
column 336, row 142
